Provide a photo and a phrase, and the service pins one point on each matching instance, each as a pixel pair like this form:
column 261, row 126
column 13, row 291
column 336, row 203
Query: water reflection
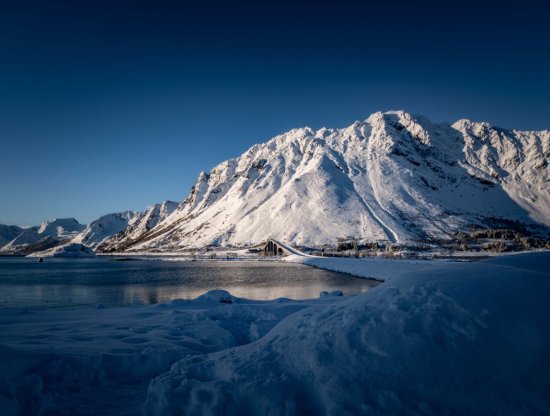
column 74, row 283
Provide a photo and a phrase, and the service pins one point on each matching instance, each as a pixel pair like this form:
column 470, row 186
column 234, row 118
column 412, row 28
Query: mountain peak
column 66, row 224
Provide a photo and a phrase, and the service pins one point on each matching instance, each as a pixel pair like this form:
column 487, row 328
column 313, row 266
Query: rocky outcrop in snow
column 394, row 177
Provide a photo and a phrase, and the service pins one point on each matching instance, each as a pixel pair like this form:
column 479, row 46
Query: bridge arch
column 274, row 248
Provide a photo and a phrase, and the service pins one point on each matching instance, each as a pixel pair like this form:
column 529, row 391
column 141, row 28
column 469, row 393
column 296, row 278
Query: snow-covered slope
column 70, row 250
column 8, row 233
column 106, row 226
column 394, row 177
column 139, row 225
column 49, row 233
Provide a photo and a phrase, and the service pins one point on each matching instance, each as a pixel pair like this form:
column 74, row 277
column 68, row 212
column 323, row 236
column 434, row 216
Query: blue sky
column 114, row 105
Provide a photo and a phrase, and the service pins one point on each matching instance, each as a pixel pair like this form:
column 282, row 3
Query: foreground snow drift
column 101, row 360
column 460, row 338
column 472, row 340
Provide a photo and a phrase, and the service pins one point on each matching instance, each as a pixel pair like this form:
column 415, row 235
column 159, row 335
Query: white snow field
column 448, row 338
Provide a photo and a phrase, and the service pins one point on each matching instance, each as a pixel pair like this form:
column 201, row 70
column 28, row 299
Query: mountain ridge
column 49, row 234
column 394, row 174
column 394, row 178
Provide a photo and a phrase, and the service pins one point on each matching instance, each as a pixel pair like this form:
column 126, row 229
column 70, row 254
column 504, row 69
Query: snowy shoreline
column 376, row 269
column 436, row 337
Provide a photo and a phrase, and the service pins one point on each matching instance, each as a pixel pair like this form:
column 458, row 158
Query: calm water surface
column 69, row 283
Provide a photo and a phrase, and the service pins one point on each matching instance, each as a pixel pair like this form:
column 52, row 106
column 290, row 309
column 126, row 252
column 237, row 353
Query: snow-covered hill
column 49, row 234
column 70, row 250
column 394, row 177
column 8, row 233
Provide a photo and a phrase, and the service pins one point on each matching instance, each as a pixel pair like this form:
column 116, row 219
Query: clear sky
column 113, row 105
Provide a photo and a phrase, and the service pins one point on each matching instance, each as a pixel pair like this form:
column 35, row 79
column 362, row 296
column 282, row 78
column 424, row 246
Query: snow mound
column 221, row 296
column 333, row 293
column 470, row 340
column 101, row 360
column 71, row 250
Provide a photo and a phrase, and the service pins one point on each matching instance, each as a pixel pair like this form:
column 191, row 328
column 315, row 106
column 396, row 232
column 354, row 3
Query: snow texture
column 450, row 338
column 394, row 178
column 466, row 340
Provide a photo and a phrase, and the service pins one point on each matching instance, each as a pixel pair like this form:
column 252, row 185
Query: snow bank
column 371, row 268
column 71, row 250
column 455, row 338
column 101, row 360
column 468, row 340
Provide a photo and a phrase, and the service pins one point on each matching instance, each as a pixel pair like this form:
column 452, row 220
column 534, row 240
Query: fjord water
column 73, row 283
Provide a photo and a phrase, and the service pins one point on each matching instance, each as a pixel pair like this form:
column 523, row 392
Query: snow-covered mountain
column 130, row 225
column 394, row 177
column 47, row 235
column 104, row 227
column 124, row 227
column 138, row 226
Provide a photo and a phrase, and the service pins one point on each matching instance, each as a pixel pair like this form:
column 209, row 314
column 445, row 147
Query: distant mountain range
column 394, row 178
column 49, row 234
column 68, row 230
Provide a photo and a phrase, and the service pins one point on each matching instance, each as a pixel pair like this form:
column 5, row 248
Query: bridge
column 276, row 248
